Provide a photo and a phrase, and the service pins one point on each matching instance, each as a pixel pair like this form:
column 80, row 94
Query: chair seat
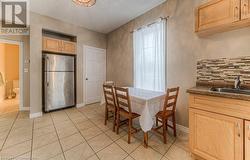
column 126, row 114
column 161, row 115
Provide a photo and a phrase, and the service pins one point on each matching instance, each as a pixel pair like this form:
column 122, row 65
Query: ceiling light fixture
column 86, row 3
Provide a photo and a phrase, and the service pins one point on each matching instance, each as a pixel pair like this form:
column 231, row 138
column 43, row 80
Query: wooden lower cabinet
column 245, row 9
column 215, row 136
column 247, row 140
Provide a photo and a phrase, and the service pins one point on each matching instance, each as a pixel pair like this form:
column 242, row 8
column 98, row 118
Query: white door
column 95, row 60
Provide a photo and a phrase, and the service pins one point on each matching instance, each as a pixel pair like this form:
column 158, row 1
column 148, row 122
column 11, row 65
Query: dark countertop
column 206, row 91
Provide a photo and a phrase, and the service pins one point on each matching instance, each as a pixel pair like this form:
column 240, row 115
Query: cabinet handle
column 245, row 9
column 236, row 12
column 238, row 126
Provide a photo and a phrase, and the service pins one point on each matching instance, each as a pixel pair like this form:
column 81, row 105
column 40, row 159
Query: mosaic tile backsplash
column 223, row 70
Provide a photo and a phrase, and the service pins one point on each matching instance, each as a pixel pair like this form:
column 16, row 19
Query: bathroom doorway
column 11, row 76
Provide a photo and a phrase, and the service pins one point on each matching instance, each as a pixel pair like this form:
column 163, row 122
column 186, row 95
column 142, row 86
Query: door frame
column 21, row 70
column 85, row 71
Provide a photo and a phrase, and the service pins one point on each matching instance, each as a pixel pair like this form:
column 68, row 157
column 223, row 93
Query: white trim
column 24, row 108
column 90, row 47
column 85, row 66
column 180, row 127
column 36, row 115
column 80, row 105
column 21, row 68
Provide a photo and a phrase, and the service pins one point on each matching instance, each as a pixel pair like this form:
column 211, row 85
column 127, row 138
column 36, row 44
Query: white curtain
column 149, row 57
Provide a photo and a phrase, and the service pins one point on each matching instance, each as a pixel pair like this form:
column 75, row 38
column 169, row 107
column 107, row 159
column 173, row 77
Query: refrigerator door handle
column 47, row 68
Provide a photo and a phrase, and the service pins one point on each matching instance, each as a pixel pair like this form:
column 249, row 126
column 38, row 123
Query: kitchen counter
column 206, row 91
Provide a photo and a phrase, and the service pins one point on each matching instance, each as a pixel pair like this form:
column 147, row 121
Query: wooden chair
column 124, row 110
column 112, row 83
column 110, row 103
column 168, row 111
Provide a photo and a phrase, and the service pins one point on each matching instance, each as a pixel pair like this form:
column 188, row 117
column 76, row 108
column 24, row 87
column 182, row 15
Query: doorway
column 11, row 77
column 95, row 73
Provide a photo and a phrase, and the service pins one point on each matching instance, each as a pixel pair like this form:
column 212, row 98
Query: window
column 149, row 57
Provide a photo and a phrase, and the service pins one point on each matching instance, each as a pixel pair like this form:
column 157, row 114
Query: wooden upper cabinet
column 247, row 140
column 245, row 9
column 216, row 13
column 58, row 46
column 68, row 47
column 222, row 15
column 216, row 137
column 51, row 44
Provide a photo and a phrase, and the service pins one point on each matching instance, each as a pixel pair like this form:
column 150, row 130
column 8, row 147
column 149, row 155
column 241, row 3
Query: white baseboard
column 36, row 115
column 180, row 127
column 80, row 105
column 24, row 108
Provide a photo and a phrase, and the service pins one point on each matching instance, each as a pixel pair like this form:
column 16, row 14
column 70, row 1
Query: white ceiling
column 104, row 16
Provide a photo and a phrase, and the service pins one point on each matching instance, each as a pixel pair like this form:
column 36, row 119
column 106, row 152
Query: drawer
column 231, row 107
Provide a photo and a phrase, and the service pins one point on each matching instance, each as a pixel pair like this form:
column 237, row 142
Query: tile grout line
column 114, row 141
column 129, row 154
column 169, row 148
column 19, row 143
column 104, row 132
column 32, row 139
column 9, row 131
column 57, row 138
column 110, row 138
column 83, row 136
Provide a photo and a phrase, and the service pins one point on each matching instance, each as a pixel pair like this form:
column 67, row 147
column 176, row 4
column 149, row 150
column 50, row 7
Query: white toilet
column 16, row 88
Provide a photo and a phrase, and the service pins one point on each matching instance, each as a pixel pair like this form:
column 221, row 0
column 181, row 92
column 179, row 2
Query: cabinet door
column 217, row 13
column 245, row 9
column 51, row 44
column 68, row 47
column 215, row 137
column 247, row 140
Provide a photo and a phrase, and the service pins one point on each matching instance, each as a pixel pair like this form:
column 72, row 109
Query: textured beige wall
column 26, row 55
column 184, row 48
column 84, row 37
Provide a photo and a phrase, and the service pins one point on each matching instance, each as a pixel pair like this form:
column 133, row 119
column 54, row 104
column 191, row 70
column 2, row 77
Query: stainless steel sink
column 231, row 90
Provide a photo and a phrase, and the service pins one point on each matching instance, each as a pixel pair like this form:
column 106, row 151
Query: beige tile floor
column 79, row 134
column 9, row 105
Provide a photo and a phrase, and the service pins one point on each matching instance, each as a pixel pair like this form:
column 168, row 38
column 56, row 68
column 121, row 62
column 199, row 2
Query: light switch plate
column 26, row 70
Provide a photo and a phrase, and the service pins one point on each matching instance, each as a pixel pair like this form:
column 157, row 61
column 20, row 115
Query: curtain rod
column 161, row 18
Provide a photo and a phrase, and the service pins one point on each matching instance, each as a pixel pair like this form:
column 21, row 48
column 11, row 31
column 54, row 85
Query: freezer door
column 59, row 90
column 58, row 63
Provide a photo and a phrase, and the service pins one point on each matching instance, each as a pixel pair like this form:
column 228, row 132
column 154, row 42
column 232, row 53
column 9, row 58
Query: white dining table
column 147, row 104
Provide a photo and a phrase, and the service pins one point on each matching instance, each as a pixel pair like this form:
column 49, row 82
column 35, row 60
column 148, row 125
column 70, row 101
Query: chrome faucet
column 237, row 83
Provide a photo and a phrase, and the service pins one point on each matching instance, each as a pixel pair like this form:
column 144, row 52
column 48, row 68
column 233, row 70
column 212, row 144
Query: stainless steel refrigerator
column 58, row 82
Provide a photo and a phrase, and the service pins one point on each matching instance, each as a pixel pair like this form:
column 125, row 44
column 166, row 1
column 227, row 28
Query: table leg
column 146, row 139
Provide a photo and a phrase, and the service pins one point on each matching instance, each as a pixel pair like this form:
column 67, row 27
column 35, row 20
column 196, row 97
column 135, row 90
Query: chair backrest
column 109, row 95
column 112, row 83
column 171, row 99
column 123, row 100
